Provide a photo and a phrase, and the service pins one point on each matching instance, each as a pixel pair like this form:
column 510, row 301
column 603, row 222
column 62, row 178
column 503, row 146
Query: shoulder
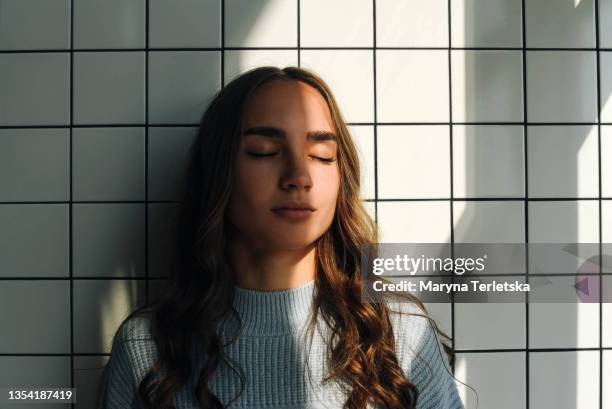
column 136, row 328
column 414, row 333
column 422, row 356
column 134, row 346
column 133, row 352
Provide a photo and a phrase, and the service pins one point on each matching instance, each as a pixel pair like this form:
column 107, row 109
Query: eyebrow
column 272, row 132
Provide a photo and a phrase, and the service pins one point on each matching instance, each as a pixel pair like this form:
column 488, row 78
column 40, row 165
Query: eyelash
column 262, row 155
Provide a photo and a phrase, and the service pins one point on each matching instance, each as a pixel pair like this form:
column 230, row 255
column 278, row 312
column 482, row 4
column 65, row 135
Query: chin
column 292, row 242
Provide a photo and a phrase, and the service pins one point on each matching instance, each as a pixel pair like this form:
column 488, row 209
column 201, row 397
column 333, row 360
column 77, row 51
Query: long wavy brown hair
column 361, row 348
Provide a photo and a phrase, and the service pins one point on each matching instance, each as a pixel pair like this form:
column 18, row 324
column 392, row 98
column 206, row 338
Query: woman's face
column 290, row 123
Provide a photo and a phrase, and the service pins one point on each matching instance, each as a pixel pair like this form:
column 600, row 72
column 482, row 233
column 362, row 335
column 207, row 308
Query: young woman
column 264, row 306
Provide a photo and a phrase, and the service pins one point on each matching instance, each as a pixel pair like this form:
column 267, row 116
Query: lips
column 294, row 211
column 295, row 206
column 293, row 214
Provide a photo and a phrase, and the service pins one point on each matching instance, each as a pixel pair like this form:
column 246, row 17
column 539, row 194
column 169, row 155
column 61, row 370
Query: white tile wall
column 574, row 385
column 486, row 23
column 498, row 379
column 405, row 154
column 349, row 73
column 319, row 23
column 445, row 155
column 562, row 161
column 412, row 23
column 499, row 172
column 412, row 85
column 561, row 86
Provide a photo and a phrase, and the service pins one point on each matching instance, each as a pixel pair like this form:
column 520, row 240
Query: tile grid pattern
column 376, row 199
column 599, row 199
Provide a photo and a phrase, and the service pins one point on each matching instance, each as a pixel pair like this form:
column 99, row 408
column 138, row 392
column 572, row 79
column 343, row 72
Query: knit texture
column 272, row 351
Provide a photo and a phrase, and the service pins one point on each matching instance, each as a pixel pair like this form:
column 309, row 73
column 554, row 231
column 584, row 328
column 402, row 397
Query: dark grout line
column 376, row 124
column 407, row 124
column 71, row 215
column 146, row 154
column 526, row 202
column 598, row 91
column 421, row 199
column 450, row 128
column 108, row 50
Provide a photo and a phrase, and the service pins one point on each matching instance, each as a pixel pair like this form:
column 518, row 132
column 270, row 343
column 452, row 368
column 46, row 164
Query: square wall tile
column 441, row 313
column 486, row 23
column 412, row 85
column 99, row 307
column 492, row 222
column 482, row 372
column 413, row 161
column 108, row 164
column 181, row 84
column 574, row 386
column 237, row 62
column 349, row 73
column 414, row 222
column 562, row 161
column 109, row 87
column 606, row 221
column 261, row 23
column 40, row 327
column 319, row 23
column 505, row 325
column 412, row 23
column 489, row 222
column 566, row 24
column 488, row 161
column 87, row 376
column 563, row 325
column 564, row 221
column 34, row 165
column 605, row 23
column 184, row 23
column 561, row 86
column 605, row 83
column 35, row 371
column 169, row 150
column 606, row 312
column 163, row 221
column 35, row 24
column 22, row 77
column 109, row 24
column 34, row 240
column 607, row 379
column 487, row 86
column 606, row 161
column 108, row 240
column 363, row 137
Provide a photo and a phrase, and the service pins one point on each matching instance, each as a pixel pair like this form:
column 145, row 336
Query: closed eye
column 329, row 160
column 261, row 155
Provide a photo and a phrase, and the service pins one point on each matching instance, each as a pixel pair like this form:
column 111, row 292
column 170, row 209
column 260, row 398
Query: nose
column 296, row 175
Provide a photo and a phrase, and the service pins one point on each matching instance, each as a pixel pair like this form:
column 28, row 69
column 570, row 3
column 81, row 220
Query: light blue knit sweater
column 272, row 353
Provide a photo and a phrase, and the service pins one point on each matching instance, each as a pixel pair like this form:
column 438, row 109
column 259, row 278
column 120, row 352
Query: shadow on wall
column 122, row 240
column 562, row 162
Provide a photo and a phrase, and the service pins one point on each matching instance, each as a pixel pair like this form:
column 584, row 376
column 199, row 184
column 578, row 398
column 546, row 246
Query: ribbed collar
column 274, row 312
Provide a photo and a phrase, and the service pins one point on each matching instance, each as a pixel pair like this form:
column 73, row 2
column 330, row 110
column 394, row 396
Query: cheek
column 329, row 185
column 252, row 186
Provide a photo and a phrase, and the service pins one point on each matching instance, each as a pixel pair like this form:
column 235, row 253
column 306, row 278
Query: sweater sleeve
column 424, row 361
column 132, row 354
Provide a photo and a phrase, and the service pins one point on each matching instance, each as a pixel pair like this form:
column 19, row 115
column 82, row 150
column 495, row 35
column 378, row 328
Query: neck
column 271, row 270
column 267, row 313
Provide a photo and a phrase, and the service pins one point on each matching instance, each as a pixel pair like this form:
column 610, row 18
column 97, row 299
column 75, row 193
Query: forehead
column 281, row 102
